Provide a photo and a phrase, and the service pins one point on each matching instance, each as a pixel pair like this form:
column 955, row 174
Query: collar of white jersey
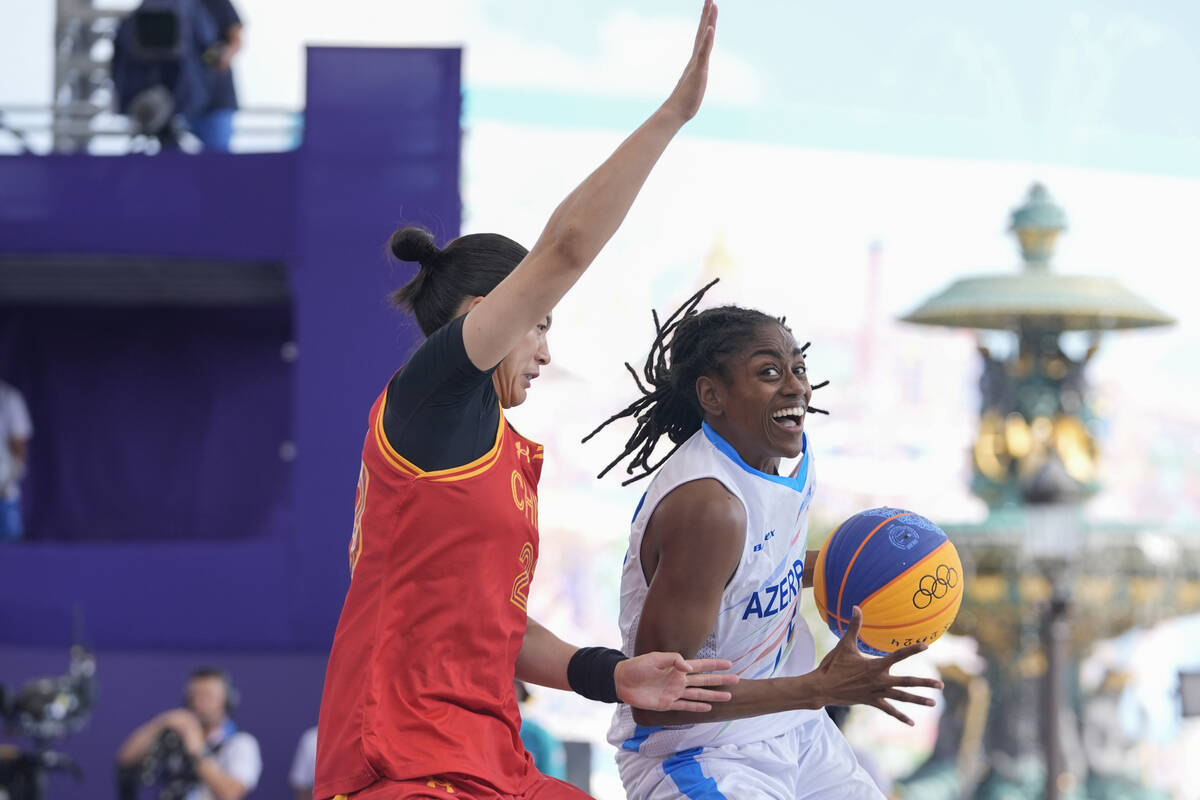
column 795, row 481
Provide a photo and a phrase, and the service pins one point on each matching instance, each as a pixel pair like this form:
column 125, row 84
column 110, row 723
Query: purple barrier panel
column 403, row 105
column 382, row 148
column 156, row 596
column 236, row 207
column 157, row 424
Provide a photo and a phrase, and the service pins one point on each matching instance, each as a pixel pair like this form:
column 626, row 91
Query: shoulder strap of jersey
column 406, row 467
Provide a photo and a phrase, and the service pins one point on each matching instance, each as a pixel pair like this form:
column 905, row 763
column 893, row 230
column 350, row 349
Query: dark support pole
column 579, row 764
column 1055, row 632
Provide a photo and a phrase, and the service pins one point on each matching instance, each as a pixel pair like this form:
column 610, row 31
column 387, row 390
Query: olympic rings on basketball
column 934, row 587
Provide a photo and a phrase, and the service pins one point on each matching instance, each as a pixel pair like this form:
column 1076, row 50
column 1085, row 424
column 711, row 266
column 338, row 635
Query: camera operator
column 172, row 70
column 45, row 709
column 225, row 761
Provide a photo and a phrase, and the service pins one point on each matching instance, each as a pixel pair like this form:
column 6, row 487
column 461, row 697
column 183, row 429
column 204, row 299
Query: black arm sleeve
column 441, row 410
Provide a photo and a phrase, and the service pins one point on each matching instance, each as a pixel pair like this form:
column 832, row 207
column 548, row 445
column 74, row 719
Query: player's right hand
column 848, row 677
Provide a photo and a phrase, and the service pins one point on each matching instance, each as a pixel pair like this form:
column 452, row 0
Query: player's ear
column 708, row 395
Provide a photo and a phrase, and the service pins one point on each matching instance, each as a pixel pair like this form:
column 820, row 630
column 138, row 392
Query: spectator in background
column 213, row 125
column 171, row 68
column 547, row 751
column 304, row 765
column 16, row 429
column 225, row 761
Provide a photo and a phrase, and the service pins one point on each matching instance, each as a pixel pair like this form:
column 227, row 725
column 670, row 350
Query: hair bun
column 414, row 244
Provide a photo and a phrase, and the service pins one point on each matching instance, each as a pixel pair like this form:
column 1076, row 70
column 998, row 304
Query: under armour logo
column 522, row 451
column 434, row 783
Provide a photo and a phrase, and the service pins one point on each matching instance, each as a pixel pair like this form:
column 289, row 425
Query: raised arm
column 583, row 222
column 693, row 544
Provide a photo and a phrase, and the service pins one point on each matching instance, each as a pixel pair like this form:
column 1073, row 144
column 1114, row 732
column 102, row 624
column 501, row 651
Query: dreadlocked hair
column 686, row 346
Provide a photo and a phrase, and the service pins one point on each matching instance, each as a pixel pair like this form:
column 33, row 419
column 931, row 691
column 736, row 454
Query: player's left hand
column 845, row 676
column 689, row 92
column 669, row 682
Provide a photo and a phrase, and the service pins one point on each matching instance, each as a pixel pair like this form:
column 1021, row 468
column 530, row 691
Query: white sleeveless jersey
column 759, row 627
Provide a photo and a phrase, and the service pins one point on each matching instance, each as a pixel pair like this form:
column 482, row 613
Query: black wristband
column 591, row 673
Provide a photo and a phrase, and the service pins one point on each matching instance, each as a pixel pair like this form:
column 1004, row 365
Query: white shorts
column 812, row 761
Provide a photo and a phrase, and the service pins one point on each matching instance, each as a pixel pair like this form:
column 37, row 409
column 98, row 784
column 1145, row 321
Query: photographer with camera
column 195, row 752
column 172, row 70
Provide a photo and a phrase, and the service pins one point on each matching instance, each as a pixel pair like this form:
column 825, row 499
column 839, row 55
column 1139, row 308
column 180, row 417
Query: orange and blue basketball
column 899, row 568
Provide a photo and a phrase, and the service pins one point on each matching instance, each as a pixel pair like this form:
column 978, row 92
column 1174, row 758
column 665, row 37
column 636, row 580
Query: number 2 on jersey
column 520, row 590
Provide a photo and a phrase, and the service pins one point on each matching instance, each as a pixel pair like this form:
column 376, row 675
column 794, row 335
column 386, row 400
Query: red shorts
column 462, row 787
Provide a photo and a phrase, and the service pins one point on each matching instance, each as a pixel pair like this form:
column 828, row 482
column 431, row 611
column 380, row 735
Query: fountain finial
column 1037, row 224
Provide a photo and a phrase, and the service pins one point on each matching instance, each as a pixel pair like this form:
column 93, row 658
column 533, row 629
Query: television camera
column 44, row 710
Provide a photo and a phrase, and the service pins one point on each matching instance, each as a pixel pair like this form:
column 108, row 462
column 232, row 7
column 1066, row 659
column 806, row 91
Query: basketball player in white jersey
column 715, row 566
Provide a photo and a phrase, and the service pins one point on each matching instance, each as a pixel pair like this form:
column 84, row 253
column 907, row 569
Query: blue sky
column 1100, row 84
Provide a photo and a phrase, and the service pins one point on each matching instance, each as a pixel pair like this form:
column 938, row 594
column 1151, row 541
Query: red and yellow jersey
column 420, row 677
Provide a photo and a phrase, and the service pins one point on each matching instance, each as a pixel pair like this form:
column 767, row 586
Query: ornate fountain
column 1044, row 583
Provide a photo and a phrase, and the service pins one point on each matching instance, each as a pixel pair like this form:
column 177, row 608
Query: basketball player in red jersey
column 418, row 699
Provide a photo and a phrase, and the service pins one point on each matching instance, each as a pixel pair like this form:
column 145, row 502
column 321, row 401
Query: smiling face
column 759, row 403
column 522, row 365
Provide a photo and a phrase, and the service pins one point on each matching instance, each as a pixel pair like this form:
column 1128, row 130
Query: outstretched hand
column 848, row 677
column 669, row 682
column 689, row 92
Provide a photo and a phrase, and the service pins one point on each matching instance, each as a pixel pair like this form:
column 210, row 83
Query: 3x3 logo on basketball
column 935, row 586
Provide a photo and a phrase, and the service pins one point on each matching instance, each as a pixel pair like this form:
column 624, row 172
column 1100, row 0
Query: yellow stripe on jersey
column 360, row 505
column 479, row 465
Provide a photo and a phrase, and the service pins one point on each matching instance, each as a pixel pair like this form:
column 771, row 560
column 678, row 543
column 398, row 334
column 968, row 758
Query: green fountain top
column 1037, row 225
column 1037, row 297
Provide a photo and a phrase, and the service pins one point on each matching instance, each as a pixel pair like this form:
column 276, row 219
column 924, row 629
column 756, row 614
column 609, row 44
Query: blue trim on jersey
column 684, row 769
column 795, row 483
column 638, row 510
column 640, row 734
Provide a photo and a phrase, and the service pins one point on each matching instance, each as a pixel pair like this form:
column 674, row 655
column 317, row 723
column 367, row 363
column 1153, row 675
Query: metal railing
column 35, row 129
